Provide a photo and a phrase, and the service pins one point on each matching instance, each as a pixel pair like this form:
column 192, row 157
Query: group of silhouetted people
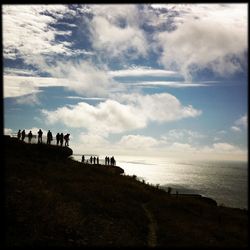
column 95, row 160
column 92, row 160
column 59, row 137
column 110, row 161
column 21, row 135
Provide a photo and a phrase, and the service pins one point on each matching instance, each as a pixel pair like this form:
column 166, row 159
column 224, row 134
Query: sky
column 165, row 80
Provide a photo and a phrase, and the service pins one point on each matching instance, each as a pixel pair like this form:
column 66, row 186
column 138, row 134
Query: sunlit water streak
column 226, row 182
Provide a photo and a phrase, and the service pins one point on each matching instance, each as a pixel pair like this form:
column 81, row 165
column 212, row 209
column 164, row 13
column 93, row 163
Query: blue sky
column 156, row 79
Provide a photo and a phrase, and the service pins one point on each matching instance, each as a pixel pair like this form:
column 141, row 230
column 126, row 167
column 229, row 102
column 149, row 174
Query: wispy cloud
column 19, row 72
column 242, row 121
column 182, row 135
column 85, row 78
column 15, row 86
column 137, row 142
column 31, row 99
column 240, row 124
column 168, row 84
column 86, row 98
column 26, row 27
column 142, row 72
column 236, row 129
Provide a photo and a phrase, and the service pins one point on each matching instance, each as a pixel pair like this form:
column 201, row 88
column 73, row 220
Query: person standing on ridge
column 83, row 159
column 61, row 139
column 40, row 134
column 30, row 136
column 49, row 137
column 57, row 139
column 19, row 134
column 66, row 138
column 23, row 135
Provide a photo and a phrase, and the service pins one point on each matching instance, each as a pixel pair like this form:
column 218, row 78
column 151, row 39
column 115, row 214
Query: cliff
column 51, row 200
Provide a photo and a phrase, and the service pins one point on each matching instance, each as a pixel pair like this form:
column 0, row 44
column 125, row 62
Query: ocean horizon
column 224, row 181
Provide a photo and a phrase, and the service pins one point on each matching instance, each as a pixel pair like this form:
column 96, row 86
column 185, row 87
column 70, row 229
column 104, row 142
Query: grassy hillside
column 51, row 200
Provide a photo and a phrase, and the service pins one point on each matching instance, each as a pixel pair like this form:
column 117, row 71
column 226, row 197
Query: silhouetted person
column 30, row 136
column 66, row 138
column 61, row 139
column 94, row 159
column 83, row 158
column 112, row 161
column 40, row 136
column 19, row 134
column 57, row 139
column 108, row 160
column 91, row 159
column 49, row 137
column 97, row 160
column 23, row 135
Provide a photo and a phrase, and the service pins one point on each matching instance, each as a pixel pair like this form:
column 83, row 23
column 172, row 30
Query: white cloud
column 242, row 121
column 26, row 27
column 183, row 135
column 107, row 117
column 162, row 107
column 137, row 142
column 236, row 129
column 171, row 84
column 8, row 131
column 82, row 77
column 127, row 13
column 240, row 124
column 217, row 138
column 115, row 32
column 86, row 78
column 15, row 86
column 217, row 151
column 129, row 113
column 143, row 71
column 222, row 132
column 31, row 99
column 86, row 98
column 208, row 36
column 93, row 140
column 222, row 147
column 18, row 72
column 182, row 147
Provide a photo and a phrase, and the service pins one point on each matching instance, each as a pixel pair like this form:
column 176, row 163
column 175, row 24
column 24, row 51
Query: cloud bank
column 131, row 112
column 207, row 36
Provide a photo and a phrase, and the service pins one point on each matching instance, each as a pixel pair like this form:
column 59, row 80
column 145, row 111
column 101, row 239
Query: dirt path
column 152, row 226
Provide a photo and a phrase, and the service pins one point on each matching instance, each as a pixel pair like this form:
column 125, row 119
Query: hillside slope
column 51, row 200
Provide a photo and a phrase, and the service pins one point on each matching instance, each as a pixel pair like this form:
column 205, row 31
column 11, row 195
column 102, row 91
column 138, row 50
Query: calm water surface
column 226, row 182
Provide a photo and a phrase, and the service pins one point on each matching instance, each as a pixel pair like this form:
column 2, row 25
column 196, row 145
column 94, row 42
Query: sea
column 224, row 181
